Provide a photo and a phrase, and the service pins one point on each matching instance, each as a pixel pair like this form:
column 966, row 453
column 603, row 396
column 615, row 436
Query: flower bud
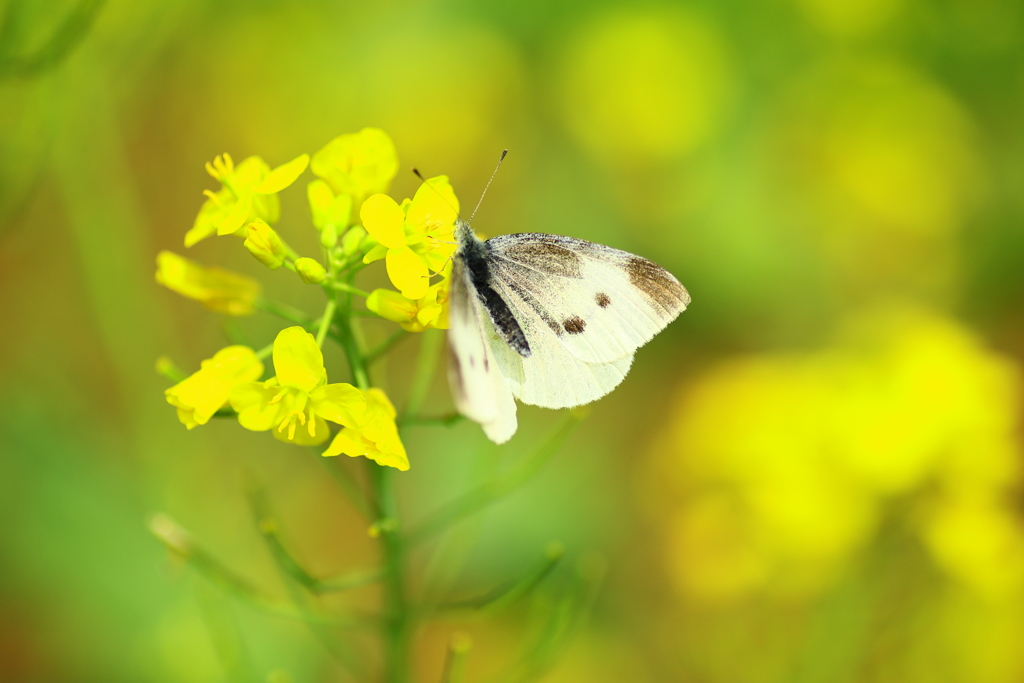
column 310, row 270
column 352, row 240
column 329, row 236
column 264, row 244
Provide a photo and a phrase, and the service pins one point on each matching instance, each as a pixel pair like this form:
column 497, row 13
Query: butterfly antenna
column 501, row 159
column 416, row 172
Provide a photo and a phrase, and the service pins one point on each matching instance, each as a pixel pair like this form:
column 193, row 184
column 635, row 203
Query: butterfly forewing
column 551, row 377
column 600, row 303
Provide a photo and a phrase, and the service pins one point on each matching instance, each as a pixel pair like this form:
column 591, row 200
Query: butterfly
column 552, row 321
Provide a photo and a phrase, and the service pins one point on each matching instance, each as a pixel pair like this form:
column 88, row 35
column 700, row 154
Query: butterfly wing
column 480, row 391
column 551, row 377
column 600, row 304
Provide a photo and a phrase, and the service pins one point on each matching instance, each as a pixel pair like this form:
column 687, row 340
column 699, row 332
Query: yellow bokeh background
column 814, row 474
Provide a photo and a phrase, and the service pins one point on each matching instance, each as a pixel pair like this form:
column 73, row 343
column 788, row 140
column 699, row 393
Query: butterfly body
column 553, row 321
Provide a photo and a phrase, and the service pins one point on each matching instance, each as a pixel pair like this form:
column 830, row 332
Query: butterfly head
column 464, row 234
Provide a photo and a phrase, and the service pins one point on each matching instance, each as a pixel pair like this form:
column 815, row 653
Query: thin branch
column 493, row 491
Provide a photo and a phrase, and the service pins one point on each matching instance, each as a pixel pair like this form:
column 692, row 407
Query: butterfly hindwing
column 600, row 304
column 480, row 391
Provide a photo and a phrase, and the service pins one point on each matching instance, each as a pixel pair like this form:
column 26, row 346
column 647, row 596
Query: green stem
column 378, row 351
column 343, row 287
column 426, row 365
column 482, row 496
column 455, row 662
column 292, row 315
column 350, row 345
column 397, row 624
column 265, row 351
column 439, row 420
column 509, row 594
column 398, row 619
column 325, row 321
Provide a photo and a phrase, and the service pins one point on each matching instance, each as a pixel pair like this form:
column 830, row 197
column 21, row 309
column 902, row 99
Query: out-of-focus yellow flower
column 414, row 316
column 777, row 468
column 375, row 436
column 310, row 270
column 248, row 193
column 201, row 395
column 415, row 238
column 883, row 162
column 850, row 18
column 979, row 540
column 265, row 245
column 298, row 395
column 355, row 165
column 645, row 86
column 219, row 290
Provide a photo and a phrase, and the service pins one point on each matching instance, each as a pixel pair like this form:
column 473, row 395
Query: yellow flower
column 414, row 316
column 775, row 469
column 416, row 238
column 198, row 397
column 357, row 165
column 264, row 244
column 298, row 396
column 219, row 290
column 375, row 436
column 248, row 192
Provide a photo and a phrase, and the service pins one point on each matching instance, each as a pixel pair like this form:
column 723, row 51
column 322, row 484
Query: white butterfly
column 553, row 321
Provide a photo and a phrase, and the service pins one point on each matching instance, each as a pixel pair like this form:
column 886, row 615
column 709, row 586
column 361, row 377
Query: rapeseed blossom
column 201, row 395
column 297, row 401
column 357, row 165
column 219, row 290
column 777, row 468
column 416, row 238
column 375, row 435
column 248, row 193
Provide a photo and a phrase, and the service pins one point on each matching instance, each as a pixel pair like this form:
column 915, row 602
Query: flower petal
column 408, row 273
column 298, row 361
column 434, row 202
column 383, row 219
column 236, row 219
column 283, row 176
column 217, row 289
column 252, row 402
column 348, row 442
column 341, row 403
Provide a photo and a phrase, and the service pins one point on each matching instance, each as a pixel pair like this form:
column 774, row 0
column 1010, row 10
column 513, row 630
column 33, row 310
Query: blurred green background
column 813, row 475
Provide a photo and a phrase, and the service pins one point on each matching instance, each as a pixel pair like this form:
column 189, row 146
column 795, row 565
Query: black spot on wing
column 574, row 325
column 602, row 299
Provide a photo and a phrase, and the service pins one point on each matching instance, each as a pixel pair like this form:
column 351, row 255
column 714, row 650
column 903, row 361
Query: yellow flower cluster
column 295, row 404
column 777, row 468
column 414, row 238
